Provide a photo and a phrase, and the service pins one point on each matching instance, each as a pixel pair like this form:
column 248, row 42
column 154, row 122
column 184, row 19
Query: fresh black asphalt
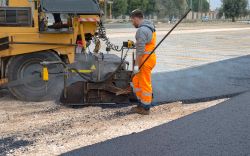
column 210, row 81
column 220, row 130
column 207, row 82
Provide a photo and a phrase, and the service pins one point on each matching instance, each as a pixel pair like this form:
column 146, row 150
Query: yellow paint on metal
column 82, row 32
column 19, row 3
column 82, row 71
column 93, row 67
column 45, row 74
column 91, row 70
column 3, row 81
column 32, row 34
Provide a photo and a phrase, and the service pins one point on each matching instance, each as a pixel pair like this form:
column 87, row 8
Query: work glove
column 136, row 70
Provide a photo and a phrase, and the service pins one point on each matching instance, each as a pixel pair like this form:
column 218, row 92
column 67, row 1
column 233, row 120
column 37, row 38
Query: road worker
column 145, row 43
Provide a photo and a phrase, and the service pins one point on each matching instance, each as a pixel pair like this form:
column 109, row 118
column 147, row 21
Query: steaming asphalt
column 196, row 65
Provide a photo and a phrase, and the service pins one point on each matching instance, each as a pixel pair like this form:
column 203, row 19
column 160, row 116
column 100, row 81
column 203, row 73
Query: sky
column 215, row 4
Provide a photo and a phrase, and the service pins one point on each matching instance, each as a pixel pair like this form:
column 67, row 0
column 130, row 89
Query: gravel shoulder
column 49, row 129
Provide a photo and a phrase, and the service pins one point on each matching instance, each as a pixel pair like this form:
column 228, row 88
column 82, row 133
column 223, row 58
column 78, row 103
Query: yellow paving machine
column 44, row 53
column 43, row 42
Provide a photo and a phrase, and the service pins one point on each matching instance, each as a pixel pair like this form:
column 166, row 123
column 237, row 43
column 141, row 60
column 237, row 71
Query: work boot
column 141, row 110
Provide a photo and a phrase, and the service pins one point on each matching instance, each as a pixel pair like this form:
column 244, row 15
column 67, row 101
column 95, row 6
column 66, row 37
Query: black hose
column 84, row 76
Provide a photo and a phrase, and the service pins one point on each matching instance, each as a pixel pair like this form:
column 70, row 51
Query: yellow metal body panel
column 45, row 74
column 18, row 3
column 32, row 34
column 17, row 49
column 3, row 81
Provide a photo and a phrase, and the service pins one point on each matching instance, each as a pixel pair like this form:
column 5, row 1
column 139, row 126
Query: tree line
column 174, row 8
column 234, row 9
column 160, row 8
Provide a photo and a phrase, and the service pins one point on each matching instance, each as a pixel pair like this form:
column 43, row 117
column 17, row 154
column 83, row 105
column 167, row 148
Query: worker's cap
column 136, row 13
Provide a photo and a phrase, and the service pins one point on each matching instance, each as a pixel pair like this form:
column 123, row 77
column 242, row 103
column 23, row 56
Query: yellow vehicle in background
column 28, row 37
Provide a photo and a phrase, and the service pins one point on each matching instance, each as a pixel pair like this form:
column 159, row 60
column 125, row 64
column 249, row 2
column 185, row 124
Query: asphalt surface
column 199, row 65
column 220, row 130
column 211, row 81
column 207, row 82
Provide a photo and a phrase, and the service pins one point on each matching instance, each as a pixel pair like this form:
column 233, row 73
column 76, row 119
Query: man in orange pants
column 145, row 43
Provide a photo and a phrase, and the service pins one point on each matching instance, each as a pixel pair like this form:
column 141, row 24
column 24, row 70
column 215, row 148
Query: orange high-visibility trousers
column 142, row 84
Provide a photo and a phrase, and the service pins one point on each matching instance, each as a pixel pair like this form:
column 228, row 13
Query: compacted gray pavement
column 220, row 130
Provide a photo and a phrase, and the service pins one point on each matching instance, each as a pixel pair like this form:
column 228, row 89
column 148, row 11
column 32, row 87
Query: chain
column 102, row 34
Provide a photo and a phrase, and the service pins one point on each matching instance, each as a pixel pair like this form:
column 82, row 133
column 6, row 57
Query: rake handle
column 182, row 18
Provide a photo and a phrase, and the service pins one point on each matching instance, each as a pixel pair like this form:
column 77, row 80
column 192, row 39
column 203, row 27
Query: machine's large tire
column 28, row 66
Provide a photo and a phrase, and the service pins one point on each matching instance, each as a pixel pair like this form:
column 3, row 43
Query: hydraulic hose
column 85, row 76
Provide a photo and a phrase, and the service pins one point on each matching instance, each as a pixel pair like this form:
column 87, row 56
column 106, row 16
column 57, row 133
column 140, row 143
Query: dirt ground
column 47, row 128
